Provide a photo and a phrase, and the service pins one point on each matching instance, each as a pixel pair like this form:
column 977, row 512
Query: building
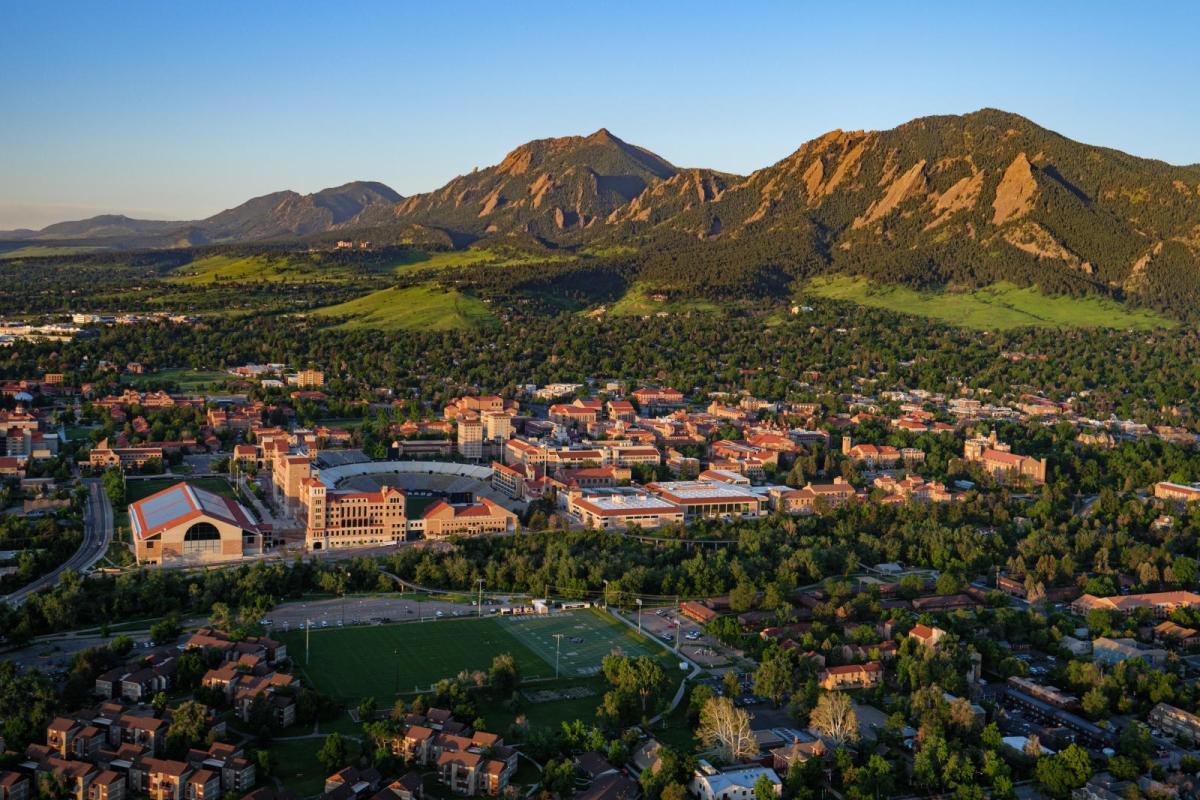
column 1175, row 722
column 288, row 473
column 1114, row 651
column 620, row 508
column 929, row 636
column 470, row 438
column 1159, row 604
column 1176, row 492
column 651, row 400
column 706, row 499
column 871, row 456
column 102, row 456
column 443, row 519
column 851, row 676
column 347, row 518
column 733, row 783
column 307, row 379
column 187, row 523
column 997, row 459
column 813, row 498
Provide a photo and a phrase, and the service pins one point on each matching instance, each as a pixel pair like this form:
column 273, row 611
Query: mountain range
column 939, row 200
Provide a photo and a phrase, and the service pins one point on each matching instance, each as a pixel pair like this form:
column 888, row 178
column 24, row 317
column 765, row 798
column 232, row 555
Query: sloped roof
column 182, row 503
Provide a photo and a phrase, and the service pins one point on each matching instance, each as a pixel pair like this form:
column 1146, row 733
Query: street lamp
column 480, row 582
column 606, row 595
column 639, row 602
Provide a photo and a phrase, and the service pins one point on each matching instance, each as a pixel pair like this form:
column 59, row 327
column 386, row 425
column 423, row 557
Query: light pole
column 606, row 595
column 396, row 653
column 480, row 582
column 557, row 647
column 307, row 634
column 639, row 602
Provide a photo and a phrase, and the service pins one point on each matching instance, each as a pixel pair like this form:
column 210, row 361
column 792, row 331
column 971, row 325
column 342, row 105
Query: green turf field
column 381, row 660
column 422, row 307
column 998, row 307
column 588, row 636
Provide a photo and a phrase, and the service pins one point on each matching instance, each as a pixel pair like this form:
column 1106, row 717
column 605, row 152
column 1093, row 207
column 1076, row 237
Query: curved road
column 97, row 535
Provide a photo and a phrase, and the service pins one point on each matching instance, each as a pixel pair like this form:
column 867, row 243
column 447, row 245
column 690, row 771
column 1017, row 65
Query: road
column 97, row 535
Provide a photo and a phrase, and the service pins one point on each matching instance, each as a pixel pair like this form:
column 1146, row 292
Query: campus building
column 344, row 518
column 190, row 524
column 997, row 459
column 619, row 508
column 704, row 499
column 102, row 456
column 1160, row 604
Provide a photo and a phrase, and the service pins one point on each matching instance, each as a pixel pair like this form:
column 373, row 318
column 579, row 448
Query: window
column 203, row 537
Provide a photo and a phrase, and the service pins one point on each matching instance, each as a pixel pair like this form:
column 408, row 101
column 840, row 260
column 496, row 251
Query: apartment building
column 851, row 676
column 1175, row 722
column 1159, row 604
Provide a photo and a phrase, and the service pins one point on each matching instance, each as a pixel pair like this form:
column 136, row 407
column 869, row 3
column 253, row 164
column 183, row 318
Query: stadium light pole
column 557, row 647
column 480, row 582
column 396, row 653
column 639, row 602
column 307, row 634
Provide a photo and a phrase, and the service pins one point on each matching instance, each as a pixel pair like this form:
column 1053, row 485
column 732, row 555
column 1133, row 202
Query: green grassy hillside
column 639, row 302
column 253, row 269
column 421, row 307
column 997, row 307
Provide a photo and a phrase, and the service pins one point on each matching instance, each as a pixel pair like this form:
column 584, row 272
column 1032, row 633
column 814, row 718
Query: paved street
column 97, row 534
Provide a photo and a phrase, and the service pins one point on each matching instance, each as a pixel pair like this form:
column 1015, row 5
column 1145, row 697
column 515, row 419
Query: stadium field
column 382, row 661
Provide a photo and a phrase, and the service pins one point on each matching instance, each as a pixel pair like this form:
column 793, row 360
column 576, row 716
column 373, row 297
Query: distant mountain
column 939, row 200
column 103, row 226
column 552, row 188
column 288, row 214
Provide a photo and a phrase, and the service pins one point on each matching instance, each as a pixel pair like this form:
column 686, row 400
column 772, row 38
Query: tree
column 834, row 718
column 505, row 675
column 189, row 722
column 1062, row 773
column 764, row 788
column 730, row 684
column 776, row 675
column 333, row 754
column 366, row 709
column 166, row 630
column 159, row 703
column 725, row 730
column 875, row 777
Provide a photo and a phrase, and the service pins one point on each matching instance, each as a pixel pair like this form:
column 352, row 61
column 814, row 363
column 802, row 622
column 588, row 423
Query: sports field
column 385, row 660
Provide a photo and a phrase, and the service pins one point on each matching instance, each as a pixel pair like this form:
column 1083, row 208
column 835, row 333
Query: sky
column 178, row 110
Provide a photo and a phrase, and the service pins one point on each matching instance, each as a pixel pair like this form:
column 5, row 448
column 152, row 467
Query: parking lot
column 669, row 625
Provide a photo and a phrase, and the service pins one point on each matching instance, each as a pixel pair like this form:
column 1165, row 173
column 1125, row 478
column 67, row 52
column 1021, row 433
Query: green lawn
column 137, row 489
column 256, row 269
column 297, row 765
column 188, row 379
column 372, row 661
column 639, row 302
column 998, row 307
column 422, row 307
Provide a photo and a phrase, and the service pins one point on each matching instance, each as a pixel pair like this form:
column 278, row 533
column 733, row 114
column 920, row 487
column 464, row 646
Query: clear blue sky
column 181, row 109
